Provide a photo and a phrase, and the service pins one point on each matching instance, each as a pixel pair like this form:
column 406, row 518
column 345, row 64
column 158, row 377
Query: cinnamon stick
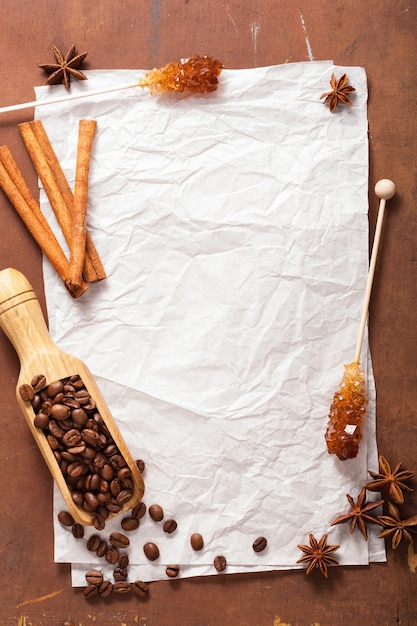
column 16, row 189
column 86, row 132
column 93, row 268
column 58, row 191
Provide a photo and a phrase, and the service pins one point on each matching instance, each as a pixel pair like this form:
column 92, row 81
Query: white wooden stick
column 384, row 189
column 38, row 103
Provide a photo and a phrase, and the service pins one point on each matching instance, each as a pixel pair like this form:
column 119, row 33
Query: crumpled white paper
column 233, row 228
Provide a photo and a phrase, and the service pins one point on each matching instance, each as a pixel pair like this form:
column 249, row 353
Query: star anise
column 339, row 92
column 389, row 480
column 64, row 68
column 359, row 515
column 318, row 553
column 397, row 528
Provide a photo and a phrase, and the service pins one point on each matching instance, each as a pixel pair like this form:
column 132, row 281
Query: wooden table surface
column 379, row 35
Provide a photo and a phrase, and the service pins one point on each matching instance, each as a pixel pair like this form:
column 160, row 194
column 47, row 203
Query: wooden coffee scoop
column 22, row 321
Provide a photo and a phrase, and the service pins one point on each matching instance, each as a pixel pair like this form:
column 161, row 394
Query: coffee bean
column 91, row 437
column 90, row 591
column 54, row 388
column 122, row 587
column 55, row 429
column 156, row 512
column 106, row 472
column 102, row 549
column 197, row 541
column 172, row 571
column 129, row 523
column 65, row 518
column 123, row 473
column 170, row 526
column 118, row 540
column 123, row 560
column 41, row 420
column 140, row 464
column 93, row 543
column 77, row 530
column 79, row 416
column 220, row 563
column 98, row 521
column 38, row 382
column 60, row 412
column 105, row 589
column 71, row 438
column 113, row 506
column 259, row 544
column 124, row 496
column 26, row 393
column 94, row 577
column 120, row 573
column 112, row 555
column 139, row 510
column 151, row 551
column 140, row 588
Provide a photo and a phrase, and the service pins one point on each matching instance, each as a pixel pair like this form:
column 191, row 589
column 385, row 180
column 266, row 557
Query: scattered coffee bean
column 102, row 549
column 170, row 526
column 93, row 543
column 172, row 571
column 139, row 510
column 140, row 588
column 156, row 512
column 26, row 393
column 123, row 560
column 77, row 530
column 105, row 589
column 65, row 518
column 38, row 382
column 140, row 464
column 259, row 544
column 120, row 573
column 119, row 540
column 130, row 523
column 112, row 555
column 90, row 591
column 197, row 541
column 122, row 586
column 94, row 577
column 220, row 563
column 151, row 551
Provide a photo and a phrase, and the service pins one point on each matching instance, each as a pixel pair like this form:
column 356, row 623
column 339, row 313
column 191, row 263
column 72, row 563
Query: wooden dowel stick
column 39, row 103
column 384, row 189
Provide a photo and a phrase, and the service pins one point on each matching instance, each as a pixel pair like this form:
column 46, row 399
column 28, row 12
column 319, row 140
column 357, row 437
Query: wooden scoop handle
column 22, row 320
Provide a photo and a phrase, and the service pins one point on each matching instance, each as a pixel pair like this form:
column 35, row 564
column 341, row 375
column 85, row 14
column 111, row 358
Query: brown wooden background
column 379, row 35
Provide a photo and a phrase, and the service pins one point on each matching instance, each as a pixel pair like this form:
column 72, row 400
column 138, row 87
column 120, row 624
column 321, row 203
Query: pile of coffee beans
column 95, row 471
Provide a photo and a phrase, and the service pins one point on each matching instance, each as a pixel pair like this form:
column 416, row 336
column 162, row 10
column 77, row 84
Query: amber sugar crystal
column 198, row 74
column 347, row 410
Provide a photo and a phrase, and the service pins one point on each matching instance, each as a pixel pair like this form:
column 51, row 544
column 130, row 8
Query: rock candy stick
column 198, row 74
column 348, row 408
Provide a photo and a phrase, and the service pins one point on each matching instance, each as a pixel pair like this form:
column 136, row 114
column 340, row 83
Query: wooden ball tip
column 385, row 189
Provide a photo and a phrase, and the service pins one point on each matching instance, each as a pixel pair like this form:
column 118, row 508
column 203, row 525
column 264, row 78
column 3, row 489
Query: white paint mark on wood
column 255, row 29
column 307, row 40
